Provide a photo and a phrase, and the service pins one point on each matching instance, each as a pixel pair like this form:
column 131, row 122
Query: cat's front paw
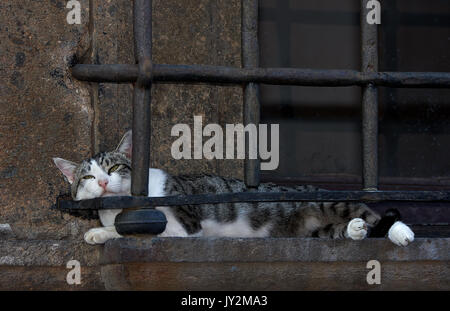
column 100, row 235
column 357, row 229
column 400, row 234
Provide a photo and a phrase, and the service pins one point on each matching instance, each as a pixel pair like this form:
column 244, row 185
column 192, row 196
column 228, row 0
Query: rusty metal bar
column 112, row 73
column 250, row 59
column 277, row 76
column 142, row 97
column 322, row 17
column 369, row 63
column 306, row 196
column 432, row 183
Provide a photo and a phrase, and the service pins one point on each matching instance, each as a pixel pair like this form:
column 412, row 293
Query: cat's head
column 106, row 174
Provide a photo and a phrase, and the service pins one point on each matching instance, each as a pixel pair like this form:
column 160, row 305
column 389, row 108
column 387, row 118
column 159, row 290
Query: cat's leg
column 400, row 234
column 101, row 235
column 108, row 216
column 363, row 220
column 356, row 229
column 339, row 230
column 355, row 221
column 362, row 211
column 390, row 225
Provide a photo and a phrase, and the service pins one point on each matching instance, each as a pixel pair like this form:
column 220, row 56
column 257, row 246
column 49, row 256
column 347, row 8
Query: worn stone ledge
column 42, row 265
column 272, row 264
column 153, row 263
column 53, row 253
column 130, row 250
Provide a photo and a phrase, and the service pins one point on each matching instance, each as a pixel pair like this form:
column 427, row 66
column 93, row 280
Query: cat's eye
column 88, row 177
column 114, row 168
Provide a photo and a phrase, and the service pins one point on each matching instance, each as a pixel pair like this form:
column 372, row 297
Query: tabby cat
column 109, row 174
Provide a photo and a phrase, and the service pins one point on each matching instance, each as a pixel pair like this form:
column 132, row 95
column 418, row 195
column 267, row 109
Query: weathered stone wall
column 195, row 32
column 44, row 112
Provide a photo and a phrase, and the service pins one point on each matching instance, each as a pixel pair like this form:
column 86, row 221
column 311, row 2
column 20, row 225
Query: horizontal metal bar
column 344, row 18
column 320, row 196
column 277, row 76
column 118, row 73
column 355, row 180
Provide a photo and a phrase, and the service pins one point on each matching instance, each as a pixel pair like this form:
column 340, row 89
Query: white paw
column 100, row 235
column 357, row 229
column 400, row 234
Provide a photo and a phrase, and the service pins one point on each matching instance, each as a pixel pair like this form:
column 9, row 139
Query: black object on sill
column 142, row 221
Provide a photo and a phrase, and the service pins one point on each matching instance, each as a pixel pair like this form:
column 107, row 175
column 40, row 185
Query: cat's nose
column 103, row 183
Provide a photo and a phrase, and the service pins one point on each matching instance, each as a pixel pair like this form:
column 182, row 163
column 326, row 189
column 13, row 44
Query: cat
column 109, row 174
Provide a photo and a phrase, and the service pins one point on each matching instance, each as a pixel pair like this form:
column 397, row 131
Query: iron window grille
column 144, row 73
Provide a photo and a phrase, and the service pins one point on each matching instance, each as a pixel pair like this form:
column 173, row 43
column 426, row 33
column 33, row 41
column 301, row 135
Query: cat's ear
column 126, row 144
column 66, row 167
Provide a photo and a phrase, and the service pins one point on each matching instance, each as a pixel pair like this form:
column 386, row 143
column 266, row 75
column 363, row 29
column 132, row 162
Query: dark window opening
column 320, row 128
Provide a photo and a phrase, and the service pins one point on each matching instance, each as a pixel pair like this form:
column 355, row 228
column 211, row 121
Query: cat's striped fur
column 109, row 174
column 285, row 219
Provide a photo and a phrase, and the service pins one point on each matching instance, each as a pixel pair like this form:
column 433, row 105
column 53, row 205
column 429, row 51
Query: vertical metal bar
column 142, row 97
column 369, row 63
column 250, row 59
